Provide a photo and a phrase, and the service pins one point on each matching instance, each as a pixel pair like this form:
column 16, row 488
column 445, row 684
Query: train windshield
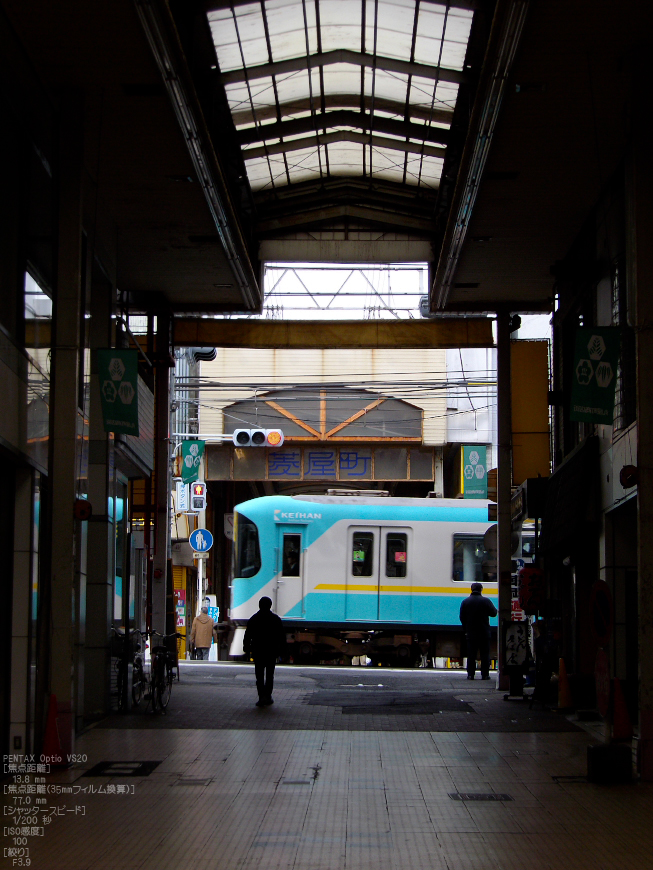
column 248, row 553
column 468, row 555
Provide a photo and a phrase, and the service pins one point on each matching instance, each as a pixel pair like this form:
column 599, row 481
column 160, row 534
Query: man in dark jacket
column 265, row 640
column 475, row 613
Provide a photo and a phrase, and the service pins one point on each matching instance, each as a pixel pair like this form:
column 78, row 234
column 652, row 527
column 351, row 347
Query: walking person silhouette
column 265, row 640
column 475, row 613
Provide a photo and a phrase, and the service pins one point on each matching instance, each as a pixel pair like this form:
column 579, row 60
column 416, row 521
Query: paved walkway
column 336, row 797
column 351, row 699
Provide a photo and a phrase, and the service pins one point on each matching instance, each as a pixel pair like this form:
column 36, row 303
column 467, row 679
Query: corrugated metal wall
column 411, row 372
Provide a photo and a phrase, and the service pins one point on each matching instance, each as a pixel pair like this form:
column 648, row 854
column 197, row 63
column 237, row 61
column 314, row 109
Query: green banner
column 191, row 459
column 594, row 374
column 118, row 377
column 474, row 472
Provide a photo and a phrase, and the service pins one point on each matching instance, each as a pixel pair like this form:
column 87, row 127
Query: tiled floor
column 326, row 799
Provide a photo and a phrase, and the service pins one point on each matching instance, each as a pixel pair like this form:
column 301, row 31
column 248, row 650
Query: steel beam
column 470, row 5
column 344, row 136
column 343, row 101
column 342, row 55
column 400, row 221
column 448, row 332
column 341, row 118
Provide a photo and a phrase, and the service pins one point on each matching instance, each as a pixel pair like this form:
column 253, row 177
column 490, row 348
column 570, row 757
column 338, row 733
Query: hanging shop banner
column 594, row 374
column 118, row 377
column 474, row 476
column 191, row 460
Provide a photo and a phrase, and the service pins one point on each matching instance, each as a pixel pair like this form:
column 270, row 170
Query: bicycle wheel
column 120, row 685
column 137, row 686
column 164, row 688
column 152, row 693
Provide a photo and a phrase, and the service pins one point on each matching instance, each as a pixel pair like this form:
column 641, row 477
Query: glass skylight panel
column 305, row 165
column 258, row 173
column 286, row 28
column 340, row 22
column 293, row 86
column 441, row 35
column 421, row 94
column 261, row 90
column 225, row 39
column 387, row 85
column 394, row 29
column 342, row 78
column 425, row 171
column 429, row 36
column 387, row 163
column 346, row 158
column 248, row 25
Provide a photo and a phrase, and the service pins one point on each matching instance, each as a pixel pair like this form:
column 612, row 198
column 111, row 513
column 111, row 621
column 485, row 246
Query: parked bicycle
column 164, row 662
column 140, row 685
column 124, row 646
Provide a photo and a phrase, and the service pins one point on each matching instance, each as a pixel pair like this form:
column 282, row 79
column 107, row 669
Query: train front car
column 377, row 579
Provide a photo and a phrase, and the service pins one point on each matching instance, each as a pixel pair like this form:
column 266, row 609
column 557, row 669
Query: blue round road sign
column 201, row 540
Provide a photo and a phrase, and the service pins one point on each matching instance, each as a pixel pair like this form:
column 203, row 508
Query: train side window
column 396, row 554
column 248, row 553
column 362, row 556
column 468, row 555
column 291, row 552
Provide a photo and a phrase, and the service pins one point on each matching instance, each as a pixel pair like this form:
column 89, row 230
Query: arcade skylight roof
column 357, row 88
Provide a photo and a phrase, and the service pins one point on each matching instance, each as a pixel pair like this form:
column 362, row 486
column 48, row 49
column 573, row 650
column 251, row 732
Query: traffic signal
column 198, row 496
column 257, row 437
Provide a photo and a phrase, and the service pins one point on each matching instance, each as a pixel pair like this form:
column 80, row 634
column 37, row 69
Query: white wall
column 472, row 406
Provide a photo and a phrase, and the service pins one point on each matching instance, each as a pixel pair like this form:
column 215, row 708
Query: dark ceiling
column 159, row 181
column 561, row 135
column 539, row 126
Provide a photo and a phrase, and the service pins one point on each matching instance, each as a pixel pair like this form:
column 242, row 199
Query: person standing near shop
column 475, row 613
column 265, row 640
column 202, row 634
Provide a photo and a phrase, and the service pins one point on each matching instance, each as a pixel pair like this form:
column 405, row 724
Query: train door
column 362, row 596
column 395, row 581
column 379, row 574
column 291, row 570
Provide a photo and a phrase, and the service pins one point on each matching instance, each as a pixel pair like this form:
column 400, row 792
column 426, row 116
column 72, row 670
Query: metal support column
column 64, row 415
column 161, row 558
column 640, row 275
column 100, row 574
column 504, row 479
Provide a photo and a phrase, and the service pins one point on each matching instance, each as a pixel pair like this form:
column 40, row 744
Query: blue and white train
column 360, row 575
